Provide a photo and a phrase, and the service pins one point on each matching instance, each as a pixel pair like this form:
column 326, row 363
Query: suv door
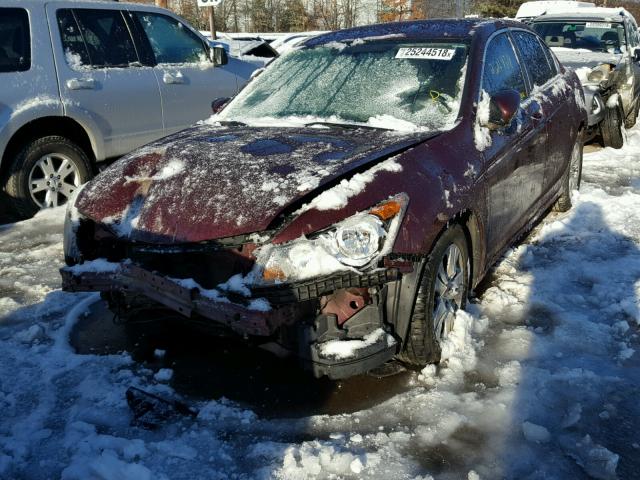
column 26, row 72
column 553, row 125
column 513, row 170
column 102, row 79
column 188, row 79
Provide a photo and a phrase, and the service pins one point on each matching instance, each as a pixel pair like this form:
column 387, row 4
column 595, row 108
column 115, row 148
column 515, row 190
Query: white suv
column 86, row 81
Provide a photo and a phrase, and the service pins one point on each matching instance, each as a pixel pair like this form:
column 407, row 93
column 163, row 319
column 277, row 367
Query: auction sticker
column 431, row 53
column 597, row 25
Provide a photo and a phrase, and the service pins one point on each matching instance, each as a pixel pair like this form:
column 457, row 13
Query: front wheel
column 611, row 127
column 45, row 174
column 572, row 177
column 443, row 291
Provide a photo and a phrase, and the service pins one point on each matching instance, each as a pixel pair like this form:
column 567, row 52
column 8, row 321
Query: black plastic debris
column 151, row 411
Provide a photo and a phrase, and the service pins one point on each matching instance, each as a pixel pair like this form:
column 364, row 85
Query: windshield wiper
column 345, row 125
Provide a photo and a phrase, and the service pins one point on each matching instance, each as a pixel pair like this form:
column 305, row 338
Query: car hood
column 575, row 59
column 212, row 182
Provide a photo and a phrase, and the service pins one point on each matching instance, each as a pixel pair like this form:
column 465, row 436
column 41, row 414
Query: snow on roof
column 604, row 13
column 534, row 9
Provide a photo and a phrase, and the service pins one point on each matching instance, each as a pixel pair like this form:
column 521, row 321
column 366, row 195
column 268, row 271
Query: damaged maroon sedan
column 344, row 203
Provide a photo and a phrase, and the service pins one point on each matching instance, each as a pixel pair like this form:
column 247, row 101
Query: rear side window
column 501, row 68
column 171, row 41
column 96, row 38
column 534, row 57
column 15, row 40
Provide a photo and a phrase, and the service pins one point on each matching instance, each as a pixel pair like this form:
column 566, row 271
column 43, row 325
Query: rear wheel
column 442, row 292
column 45, row 174
column 572, row 177
column 611, row 127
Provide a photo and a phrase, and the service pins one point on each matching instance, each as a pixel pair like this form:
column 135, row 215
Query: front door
column 103, row 83
column 188, row 80
column 514, row 160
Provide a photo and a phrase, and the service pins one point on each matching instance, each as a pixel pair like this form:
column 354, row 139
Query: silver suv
column 86, row 81
column 603, row 46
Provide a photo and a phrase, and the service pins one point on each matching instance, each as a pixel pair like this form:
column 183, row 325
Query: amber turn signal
column 273, row 274
column 386, row 210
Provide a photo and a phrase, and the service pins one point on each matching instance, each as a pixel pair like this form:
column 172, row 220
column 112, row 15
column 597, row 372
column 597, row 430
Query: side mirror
column 636, row 55
column 218, row 56
column 503, row 106
column 219, row 103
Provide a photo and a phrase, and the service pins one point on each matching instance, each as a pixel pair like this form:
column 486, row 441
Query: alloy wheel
column 574, row 168
column 449, row 291
column 53, row 179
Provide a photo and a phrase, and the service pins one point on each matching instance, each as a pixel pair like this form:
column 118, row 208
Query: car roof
column 593, row 13
column 442, row 29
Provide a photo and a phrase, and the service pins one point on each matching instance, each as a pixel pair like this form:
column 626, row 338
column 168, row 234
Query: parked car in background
column 286, row 42
column 249, row 49
column 530, row 10
column 603, row 46
column 335, row 209
column 86, row 81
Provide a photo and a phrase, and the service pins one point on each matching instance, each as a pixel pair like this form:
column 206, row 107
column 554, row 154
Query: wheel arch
column 43, row 127
column 401, row 299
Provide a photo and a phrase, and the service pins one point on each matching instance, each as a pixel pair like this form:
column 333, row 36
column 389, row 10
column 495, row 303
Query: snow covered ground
column 541, row 378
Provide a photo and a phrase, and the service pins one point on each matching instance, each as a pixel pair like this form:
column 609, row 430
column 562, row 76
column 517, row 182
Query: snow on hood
column 213, row 182
column 576, row 58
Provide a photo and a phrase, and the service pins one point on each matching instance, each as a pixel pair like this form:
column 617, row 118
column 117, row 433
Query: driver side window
column 171, row 41
column 501, row 68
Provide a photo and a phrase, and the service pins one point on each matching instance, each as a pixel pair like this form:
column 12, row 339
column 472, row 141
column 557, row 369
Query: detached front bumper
column 595, row 105
column 307, row 338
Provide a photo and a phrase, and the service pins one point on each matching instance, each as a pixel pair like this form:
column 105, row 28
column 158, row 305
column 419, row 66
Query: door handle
column 170, row 78
column 81, row 84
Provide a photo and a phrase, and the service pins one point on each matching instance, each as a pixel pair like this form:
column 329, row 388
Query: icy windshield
column 398, row 86
column 593, row 36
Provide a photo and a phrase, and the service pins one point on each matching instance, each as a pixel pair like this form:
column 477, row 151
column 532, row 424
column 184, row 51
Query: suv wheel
column 611, row 127
column 443, row 291
column 45, row 174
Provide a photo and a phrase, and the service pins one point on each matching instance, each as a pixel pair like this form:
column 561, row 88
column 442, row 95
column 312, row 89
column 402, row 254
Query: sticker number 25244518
column 431, row 53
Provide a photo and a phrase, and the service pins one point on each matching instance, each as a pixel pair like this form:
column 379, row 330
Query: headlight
column 599, row 73
column 355, row 243
column 359, row 239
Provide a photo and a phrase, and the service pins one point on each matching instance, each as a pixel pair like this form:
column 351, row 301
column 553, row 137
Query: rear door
column 102, row 81
column 188, row 80
column 27, row 75
column 553, row 125
column 512, row 173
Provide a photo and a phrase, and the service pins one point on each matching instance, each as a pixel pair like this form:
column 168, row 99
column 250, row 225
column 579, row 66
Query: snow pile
column 74, row 60
column 613, row 100
column 338, row 197
column 481, row 133
column 343, row 349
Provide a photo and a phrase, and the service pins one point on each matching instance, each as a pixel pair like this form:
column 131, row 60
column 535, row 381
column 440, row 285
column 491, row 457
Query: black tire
column 574, row 172
column 632, row 118
column 611, row 127
column 422, row 345
column 17, row 185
